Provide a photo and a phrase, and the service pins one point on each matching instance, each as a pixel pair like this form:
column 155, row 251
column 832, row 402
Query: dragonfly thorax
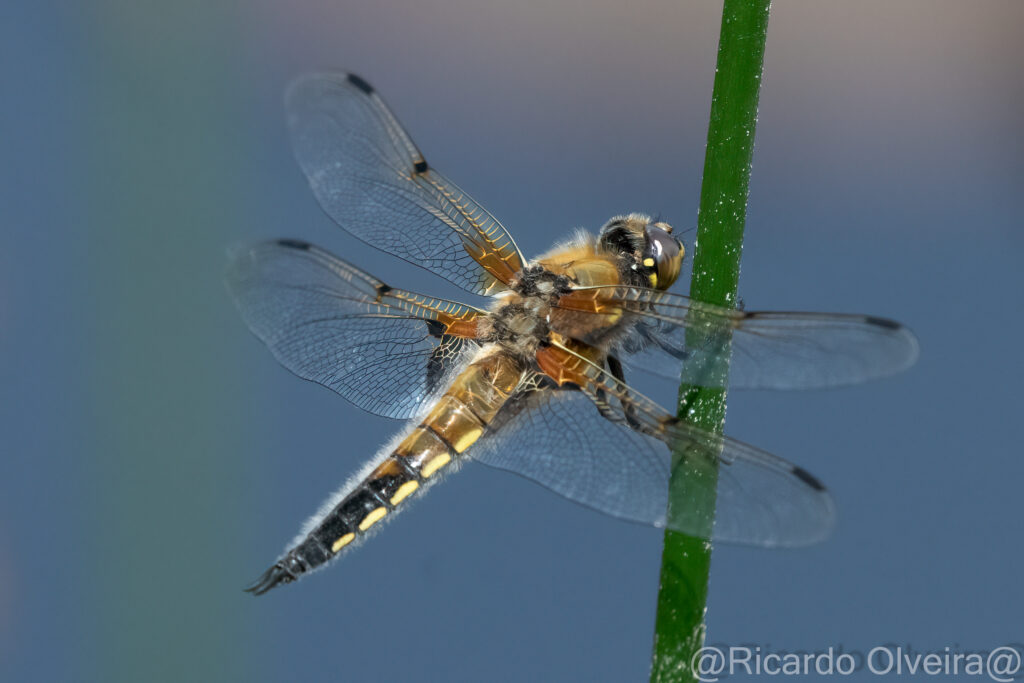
column 520, row 326
column 520, row 323
column 538, row 283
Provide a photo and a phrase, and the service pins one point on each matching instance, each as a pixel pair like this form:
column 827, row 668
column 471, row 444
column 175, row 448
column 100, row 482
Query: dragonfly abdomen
column 455, row 422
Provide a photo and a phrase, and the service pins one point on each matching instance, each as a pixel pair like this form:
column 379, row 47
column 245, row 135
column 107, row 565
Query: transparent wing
column 558, row 438
column 770, row 350
column 385, row 350
column 371, row 179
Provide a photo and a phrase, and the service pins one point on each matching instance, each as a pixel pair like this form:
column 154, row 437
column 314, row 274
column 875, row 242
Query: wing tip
column 911, row 347
column 808, row 478
column 316, row 80
column 882, row 322
column 290, row 243
column 360, row 83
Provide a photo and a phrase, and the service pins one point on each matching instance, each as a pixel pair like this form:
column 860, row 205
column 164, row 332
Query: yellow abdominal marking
column 654, row 279
column 342, row 542
column 372, row 518
column 649, row 262
column 467, row 439
column 403, row 491
column 435, row 464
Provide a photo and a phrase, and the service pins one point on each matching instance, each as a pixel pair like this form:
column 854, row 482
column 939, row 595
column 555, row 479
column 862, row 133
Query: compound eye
column 663, row 257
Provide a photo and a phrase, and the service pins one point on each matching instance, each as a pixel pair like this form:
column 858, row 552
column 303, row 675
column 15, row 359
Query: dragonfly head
column 649, row 249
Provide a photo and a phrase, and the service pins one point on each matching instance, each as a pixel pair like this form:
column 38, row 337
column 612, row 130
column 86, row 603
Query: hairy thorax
column 527, row 317
column 520, row 321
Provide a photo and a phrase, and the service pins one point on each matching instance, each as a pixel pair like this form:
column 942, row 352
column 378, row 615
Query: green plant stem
column 686, row 560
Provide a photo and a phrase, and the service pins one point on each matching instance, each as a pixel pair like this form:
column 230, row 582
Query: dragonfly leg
column 615, row 367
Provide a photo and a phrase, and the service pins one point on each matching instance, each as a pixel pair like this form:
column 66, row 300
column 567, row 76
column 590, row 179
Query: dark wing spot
column 615, row 367
column 420, row 166
column 434, row 328
column 360, row 83
column 383, row 289
column 295, row 244
column 883, row 322
column 808, row 478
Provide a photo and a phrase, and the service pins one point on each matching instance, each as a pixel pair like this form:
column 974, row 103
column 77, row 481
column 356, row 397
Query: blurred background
column 155, row 458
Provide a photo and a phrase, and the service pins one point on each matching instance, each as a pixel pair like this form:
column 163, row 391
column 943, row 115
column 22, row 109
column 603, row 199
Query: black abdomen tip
column 271, row 578
column 360, row 83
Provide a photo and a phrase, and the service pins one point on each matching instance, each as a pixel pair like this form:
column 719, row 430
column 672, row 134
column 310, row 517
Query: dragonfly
column 535, row 381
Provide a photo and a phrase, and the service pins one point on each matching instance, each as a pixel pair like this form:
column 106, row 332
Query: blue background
column 155, row 458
